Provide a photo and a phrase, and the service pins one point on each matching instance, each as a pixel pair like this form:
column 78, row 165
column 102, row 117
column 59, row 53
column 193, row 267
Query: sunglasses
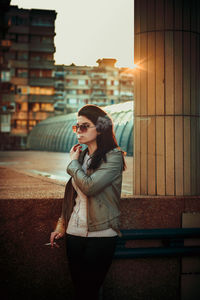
column 82, row 127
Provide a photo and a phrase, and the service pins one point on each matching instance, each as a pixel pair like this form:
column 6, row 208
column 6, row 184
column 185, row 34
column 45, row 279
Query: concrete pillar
column 167, row 97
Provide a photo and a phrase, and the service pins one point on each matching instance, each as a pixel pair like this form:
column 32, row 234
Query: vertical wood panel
column 160, row 156
column 169, row 73
column 143, row 82
column 151, row 157
column 151, row 15
column 198, row 156
column 194, row 16
column 137, row 16
column 186, row 73
column 187, row 165
column 186, row 15
column 198, row 113
column 137, row 155
column 137, row 75
column 143, row 14
column 169, row 134
column 198, row 19
column 143, row 131
column 179, row 155
column 197, row 75
column 178, row 73
column 160, row 14
column 159, row 73
column 193, row 74
column 193, row 155
column 169, row 14
column 151, row 74
column 178, row 14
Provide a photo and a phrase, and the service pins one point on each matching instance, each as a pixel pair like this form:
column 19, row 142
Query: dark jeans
column 89, row 260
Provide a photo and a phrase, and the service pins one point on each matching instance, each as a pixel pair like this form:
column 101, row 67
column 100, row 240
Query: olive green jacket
column 102, row 188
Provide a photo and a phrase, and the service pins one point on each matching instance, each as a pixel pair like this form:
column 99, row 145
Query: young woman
column 90, row 211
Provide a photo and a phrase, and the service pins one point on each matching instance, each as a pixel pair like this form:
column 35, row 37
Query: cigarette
column 48, row 244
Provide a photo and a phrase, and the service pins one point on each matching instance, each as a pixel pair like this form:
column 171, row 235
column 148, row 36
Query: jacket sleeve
column 102, row 177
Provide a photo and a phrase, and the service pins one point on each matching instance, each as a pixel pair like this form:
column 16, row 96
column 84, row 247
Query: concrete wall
column 31, row 270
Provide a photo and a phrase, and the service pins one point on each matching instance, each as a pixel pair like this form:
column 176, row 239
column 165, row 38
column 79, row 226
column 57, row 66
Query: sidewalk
column 41, row 175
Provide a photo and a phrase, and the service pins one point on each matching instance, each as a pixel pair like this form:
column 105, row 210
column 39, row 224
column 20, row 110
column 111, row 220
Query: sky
column 87, row 30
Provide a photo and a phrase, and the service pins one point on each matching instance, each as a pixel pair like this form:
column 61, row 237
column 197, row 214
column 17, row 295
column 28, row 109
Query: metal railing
column 172, row 240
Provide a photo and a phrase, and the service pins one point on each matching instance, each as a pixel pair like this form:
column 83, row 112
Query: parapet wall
column 31, row 270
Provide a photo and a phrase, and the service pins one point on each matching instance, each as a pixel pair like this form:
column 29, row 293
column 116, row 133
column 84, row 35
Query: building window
column 41, row 73
column 81, row 82
column 72, row 101
column 11, row 37
column 22, row 38
column 46, row 39
column 22, row 73
column 72, row 92
column 22, row 55
column 5, row 76
column 116, row 82
column 41, row 90
column 32, row 123
column 34, row 107
column 41, row 21
column 17, row 20
column 11, row 55
column 47, row 107
column 116, row 92
column 59, row 75
column 18, row 107
column 23, row 90
column 21, row 123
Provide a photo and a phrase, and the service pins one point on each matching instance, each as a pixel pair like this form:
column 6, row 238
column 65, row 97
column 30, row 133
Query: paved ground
column 30, row 174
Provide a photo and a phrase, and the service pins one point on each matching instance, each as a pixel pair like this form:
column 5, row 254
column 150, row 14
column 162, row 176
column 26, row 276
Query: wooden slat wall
column 167, row 106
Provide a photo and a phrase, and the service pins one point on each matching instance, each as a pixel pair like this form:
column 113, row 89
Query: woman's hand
column 55, row 236
column 75, row 152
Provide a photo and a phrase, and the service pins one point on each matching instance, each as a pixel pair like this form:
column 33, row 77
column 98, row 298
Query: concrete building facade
column 30, row 67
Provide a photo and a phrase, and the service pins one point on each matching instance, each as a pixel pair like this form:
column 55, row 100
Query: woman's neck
column 92, row 148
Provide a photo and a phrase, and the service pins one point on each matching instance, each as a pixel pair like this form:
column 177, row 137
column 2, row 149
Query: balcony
column 22, row 115
column 42, row 30
column 8, row 97
column 19, row 29
column 100, row 96
column 38, row 47
column 42, row 47
column 40, row 115
column 41, row 98
column 41, row 64
column 19, row 81
column 20, row 47
column 19, row 64
column 41, row 81
column 99, row 87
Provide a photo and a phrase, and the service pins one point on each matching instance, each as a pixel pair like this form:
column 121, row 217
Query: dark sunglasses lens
column 83, row 128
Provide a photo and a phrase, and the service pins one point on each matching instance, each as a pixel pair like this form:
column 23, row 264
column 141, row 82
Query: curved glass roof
column 55, row 133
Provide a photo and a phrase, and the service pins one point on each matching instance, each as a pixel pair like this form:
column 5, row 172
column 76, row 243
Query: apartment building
column 102, row 85
column 72, row 87
column 30, row 60
column 5, row 84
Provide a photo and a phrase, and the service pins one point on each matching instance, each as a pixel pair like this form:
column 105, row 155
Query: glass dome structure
column 55, row 133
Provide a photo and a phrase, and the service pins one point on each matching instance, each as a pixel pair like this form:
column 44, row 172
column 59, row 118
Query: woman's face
column 90, row 135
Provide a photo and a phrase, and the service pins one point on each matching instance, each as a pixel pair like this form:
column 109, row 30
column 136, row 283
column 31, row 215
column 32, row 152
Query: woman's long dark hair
column 106, row 140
